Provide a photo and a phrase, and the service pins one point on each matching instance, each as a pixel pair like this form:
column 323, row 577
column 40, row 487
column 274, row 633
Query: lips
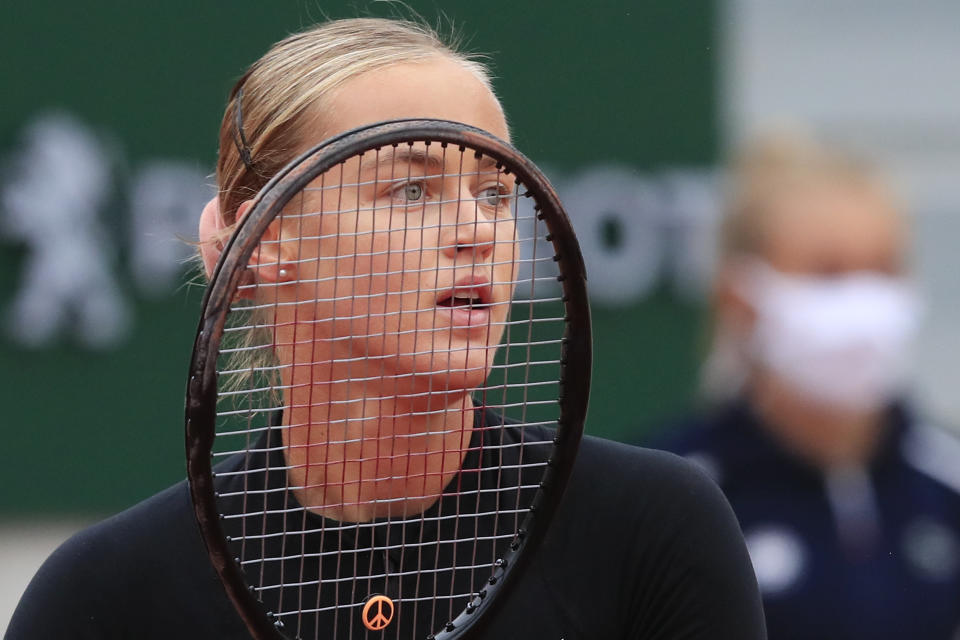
column 468, row 300
column 469, row 292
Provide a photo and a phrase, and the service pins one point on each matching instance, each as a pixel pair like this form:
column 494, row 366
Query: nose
column 469, row 232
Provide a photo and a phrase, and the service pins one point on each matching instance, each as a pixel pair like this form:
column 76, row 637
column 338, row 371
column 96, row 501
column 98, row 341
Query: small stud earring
column 283, row 273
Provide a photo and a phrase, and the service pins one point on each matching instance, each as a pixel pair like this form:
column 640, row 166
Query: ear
column 210, row 235
column 270, row 261
column 267, row 262
column 730, row 302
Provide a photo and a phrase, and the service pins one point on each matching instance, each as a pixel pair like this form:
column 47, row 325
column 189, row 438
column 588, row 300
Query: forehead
column 834, row 228
column 433, row 88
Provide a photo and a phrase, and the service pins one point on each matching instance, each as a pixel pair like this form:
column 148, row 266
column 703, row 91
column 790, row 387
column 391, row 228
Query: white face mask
column 843, row 342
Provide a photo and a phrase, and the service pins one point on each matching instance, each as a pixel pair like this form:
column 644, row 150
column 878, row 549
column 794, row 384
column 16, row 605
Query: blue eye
column 411, row 192
column 490, row 196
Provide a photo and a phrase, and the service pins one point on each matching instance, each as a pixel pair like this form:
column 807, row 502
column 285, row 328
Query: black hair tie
column 239, row 139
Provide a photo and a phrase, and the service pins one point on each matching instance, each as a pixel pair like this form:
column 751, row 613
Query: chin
column 454, row 373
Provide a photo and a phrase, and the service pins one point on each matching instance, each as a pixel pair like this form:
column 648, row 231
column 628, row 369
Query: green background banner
column 628, row 85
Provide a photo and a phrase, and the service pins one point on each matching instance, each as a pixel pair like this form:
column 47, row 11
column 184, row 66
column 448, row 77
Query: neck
column 823, row 436
column 356, row 460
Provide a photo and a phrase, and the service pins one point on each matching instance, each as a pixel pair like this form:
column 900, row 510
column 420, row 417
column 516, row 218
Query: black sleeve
column 658, row 546
column 59, row 602
column 141, row 574
column 692, row 549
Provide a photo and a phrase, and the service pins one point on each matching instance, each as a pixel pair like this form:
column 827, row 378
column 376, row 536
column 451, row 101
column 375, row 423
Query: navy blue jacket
column 867, row 553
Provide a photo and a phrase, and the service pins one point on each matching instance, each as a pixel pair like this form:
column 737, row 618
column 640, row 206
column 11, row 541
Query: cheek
column 343, row 277
column 391, row 278
column 506, row 257
column 417, row 286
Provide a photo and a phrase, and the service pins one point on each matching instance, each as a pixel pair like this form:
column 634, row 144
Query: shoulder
column 659, row 531
column 101, row 570
column 146, row 532
column 145, row 563
column 92, row 554
column 655, row 499
column 610, row 472
column 649, row 487
column 633, row 464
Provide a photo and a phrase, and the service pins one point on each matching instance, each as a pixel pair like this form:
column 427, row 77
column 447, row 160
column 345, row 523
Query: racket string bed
column 333, row 381
column 461, row 529
column 320, row 542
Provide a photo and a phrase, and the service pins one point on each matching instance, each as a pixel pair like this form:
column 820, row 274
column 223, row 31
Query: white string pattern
column 394, row 314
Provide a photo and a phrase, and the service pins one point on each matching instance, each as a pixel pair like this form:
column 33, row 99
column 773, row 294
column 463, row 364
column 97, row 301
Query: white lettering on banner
column 60, row 182
column 617, row 199
column 165, row 202
column 691, row 212
column 637, row 230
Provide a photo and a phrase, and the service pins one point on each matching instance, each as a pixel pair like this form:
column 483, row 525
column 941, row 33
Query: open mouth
column 466, row 302
column 469, row 294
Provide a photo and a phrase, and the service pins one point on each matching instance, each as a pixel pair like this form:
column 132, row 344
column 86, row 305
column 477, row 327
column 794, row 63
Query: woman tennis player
column 375, row 483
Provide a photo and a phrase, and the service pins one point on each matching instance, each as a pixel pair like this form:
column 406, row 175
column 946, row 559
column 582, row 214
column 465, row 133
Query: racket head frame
column 575, row 360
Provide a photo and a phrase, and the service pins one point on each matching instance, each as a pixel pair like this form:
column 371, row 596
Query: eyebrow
column 393, row 156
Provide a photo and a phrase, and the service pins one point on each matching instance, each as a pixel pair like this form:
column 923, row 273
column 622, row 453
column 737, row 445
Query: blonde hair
column 775, row 166
column 299, row 74
column 264, row 124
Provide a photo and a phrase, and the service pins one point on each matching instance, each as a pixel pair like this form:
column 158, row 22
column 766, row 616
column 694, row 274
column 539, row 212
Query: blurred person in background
column 849, row 500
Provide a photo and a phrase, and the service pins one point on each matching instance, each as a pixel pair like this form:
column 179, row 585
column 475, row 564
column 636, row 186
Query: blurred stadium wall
column 108, row 136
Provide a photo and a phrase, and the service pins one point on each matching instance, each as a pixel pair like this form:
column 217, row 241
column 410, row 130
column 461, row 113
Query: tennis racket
column 388, row 385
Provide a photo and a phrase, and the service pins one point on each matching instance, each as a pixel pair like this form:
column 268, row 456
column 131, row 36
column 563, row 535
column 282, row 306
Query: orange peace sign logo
column 377, row 613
